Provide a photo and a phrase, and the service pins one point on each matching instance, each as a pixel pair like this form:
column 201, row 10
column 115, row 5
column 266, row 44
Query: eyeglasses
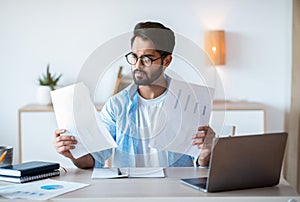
column 145, row 59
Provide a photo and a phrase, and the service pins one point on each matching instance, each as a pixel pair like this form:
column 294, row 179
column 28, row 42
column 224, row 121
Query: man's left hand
column 203, row 140
column 199, row 137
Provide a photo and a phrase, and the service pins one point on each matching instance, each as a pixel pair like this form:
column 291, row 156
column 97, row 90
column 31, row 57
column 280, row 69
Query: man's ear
column 167, row 60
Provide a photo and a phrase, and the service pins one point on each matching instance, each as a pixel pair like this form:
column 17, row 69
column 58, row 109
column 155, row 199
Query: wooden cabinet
column 37, row 125
column 248, row 118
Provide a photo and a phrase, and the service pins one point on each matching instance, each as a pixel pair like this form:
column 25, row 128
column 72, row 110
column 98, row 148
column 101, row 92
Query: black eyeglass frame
column 143, row 56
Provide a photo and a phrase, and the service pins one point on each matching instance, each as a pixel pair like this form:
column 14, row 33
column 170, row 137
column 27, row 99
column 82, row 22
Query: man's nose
column 139, row 63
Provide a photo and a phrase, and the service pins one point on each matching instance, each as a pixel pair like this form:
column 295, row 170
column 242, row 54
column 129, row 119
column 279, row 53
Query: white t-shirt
column 148, row 113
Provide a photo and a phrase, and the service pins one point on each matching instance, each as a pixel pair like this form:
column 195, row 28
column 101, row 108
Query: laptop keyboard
column 196, row 182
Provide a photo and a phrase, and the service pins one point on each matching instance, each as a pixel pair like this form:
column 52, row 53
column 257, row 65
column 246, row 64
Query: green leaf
column 49, row 79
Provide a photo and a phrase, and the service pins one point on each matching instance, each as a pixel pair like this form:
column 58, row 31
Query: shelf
column 43, row 108
column 217, row 105
column 241, row 105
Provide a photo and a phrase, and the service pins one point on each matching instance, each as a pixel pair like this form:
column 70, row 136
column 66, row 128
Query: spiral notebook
column 28, row 168
column 29, row 178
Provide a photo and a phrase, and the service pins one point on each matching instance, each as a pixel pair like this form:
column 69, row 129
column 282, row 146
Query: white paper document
column 75, row 112
column 108, row 173
column 39, row 190
column 187, row 106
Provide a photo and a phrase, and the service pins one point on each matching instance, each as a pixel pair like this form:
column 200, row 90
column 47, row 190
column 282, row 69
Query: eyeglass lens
column 132, row 59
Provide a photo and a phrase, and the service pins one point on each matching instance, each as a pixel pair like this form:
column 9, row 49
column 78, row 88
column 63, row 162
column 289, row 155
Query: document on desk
column 109, row 173
column 75, row 112
column 187, row 106
column 39, row 190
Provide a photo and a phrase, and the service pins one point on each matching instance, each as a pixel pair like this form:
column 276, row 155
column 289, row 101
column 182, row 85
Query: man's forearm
column 84, row 162
column 203, row 159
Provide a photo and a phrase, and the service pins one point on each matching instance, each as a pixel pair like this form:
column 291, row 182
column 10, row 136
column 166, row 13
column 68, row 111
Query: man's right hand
column 64, row 143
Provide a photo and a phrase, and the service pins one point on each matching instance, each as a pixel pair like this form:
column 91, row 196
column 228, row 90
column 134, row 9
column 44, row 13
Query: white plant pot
column 43, row 95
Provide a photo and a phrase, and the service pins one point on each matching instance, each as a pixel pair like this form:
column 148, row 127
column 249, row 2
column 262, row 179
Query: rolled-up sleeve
column 100, row 157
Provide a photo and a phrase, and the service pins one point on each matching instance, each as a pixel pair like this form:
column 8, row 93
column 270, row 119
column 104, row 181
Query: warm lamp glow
column 214, row 45
column 214, row 49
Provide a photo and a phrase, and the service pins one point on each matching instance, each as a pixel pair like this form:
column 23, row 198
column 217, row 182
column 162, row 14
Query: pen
column 3, row 156
column 119, row 171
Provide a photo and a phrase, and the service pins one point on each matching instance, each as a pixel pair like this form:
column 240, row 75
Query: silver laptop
column 243, row 162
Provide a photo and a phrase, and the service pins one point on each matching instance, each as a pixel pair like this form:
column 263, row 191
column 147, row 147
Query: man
column 131, row 114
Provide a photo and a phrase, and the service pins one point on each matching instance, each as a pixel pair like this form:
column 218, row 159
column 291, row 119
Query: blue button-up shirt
column 120, row 116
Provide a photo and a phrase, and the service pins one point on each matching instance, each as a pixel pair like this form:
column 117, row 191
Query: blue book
column 28, row 168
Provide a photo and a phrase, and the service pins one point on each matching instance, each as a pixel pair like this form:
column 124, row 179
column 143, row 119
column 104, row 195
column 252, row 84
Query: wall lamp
column 214, row 45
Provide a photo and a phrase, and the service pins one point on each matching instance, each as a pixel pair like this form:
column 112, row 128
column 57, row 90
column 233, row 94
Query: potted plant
column 47, row 82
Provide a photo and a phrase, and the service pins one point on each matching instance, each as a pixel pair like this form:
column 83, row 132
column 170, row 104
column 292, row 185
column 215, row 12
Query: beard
column 142, row 79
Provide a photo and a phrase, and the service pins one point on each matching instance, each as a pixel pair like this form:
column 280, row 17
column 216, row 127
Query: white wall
column 65, row 32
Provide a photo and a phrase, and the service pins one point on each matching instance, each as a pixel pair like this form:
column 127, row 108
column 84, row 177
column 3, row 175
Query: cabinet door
column 247, row 122
column 38, row 137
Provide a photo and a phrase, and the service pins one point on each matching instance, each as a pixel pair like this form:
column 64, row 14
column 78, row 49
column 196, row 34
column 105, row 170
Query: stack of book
column 29, row 171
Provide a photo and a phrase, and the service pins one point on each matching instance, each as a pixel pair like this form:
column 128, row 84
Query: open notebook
column 106, row 173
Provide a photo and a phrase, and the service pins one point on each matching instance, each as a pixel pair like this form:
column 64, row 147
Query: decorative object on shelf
column 122, row 81
column 47, row 82
column 214, row 45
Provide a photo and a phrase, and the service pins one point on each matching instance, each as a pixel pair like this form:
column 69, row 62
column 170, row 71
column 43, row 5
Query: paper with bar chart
column 187, row 106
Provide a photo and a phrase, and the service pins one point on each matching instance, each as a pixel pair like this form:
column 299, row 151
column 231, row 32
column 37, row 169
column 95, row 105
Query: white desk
column 163, row 189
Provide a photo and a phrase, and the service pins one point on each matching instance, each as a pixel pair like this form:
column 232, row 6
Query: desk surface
column 169, row 188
